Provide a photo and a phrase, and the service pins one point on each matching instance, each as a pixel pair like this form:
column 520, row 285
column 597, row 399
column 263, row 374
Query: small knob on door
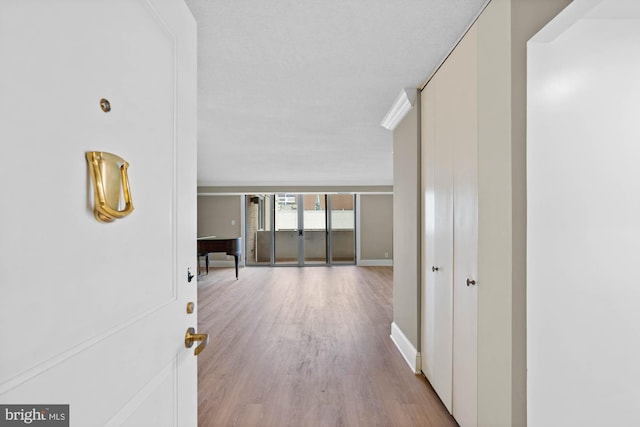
column 434, row 269
column 470, row 282
column 191, row 337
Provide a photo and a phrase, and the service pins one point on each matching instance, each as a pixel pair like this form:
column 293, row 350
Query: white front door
column 91, row 314
column 583, row 228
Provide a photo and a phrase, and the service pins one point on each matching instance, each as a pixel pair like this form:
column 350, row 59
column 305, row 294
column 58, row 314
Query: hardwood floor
column 306, row 347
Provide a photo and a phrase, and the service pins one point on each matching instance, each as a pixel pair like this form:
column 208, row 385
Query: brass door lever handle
column 191, row 337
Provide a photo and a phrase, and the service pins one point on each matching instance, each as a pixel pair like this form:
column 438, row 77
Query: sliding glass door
column 300, row 229
column 314, row 228
column 286, row 230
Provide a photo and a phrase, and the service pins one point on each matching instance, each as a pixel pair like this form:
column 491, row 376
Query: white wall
column 584, row 217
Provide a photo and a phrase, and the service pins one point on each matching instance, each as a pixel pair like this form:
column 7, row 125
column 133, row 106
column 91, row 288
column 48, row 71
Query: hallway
column 306, row 346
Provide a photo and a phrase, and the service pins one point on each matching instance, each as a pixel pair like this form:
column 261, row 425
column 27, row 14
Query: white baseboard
column 408, row 351
column 375, row 262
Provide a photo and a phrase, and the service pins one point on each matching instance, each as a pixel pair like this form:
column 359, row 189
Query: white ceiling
column 292, row 92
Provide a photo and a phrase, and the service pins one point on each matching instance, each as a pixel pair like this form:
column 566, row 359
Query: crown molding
column 402, row 105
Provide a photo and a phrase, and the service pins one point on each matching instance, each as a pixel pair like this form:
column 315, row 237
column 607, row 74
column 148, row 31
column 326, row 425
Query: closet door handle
column 434, row 269
column 470, row 282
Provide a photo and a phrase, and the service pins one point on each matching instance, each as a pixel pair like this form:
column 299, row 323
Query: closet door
column 464, row 136
column 443, row 241
column 428, row 305
column 438, row 292
column 450, row 191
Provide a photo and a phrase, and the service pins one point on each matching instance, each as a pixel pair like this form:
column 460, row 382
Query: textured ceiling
column 292, row 92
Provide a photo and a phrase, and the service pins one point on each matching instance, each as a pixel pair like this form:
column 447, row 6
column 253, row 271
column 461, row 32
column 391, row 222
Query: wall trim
column 375, row 262
column 244, row 188
column 408, row 351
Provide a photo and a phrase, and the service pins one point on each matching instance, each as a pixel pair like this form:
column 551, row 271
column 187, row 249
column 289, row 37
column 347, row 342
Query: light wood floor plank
column 306, row 347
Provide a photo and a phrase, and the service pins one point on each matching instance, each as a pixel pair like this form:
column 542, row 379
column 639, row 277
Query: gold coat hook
column 110, row 185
